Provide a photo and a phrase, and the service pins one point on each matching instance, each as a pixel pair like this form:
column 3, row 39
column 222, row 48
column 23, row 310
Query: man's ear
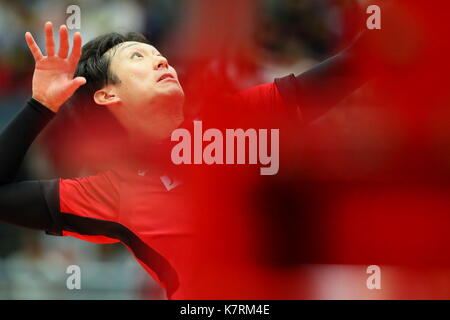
column 106, row 96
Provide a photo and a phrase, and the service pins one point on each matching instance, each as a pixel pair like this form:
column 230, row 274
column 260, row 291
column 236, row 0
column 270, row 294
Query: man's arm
column 23, row 203
column 323, row 86
column 32, row 203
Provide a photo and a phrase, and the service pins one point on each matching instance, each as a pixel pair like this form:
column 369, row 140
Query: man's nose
column 161, row 63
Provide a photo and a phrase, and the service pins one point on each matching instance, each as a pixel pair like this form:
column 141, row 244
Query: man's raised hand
column 53, row 82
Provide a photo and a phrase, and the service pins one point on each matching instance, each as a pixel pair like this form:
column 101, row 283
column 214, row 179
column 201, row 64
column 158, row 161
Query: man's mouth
column 167, row 77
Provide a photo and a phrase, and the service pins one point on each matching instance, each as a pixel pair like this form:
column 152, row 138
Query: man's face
column 151, row 98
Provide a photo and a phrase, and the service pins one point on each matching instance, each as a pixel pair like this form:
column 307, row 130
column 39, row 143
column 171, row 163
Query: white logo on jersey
column 169, row 183
column 142, row 172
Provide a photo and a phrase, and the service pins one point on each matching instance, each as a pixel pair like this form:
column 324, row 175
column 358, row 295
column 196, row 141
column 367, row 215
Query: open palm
column 53, row 82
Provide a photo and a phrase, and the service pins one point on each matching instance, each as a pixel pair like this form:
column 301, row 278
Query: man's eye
column 136, row 54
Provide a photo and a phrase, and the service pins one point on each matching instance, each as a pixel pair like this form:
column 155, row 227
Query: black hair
column 94, row 64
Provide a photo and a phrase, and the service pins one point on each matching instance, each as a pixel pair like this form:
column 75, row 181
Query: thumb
column 76, row 83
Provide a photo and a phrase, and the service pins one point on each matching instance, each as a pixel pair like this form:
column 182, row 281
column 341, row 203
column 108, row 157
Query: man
column 135, row 83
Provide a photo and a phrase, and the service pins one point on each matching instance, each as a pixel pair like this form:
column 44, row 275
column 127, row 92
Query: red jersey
column 144, row 210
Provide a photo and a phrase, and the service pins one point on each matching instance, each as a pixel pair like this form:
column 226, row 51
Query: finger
column 63, row 42
column 76, row 49
column 76, row 83
column 35, row 51
column 49, row 41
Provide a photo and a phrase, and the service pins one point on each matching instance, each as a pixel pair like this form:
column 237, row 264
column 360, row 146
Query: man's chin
column 156, row 134
column 178, row 121
column 172, row 92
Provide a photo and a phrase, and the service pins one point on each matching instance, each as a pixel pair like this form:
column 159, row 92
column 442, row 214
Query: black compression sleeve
column 23, row 204
column 18, row 135
column 29, row 204
column 320, row 88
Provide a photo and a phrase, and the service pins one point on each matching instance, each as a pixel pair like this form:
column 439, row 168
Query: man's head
column 135, row 82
